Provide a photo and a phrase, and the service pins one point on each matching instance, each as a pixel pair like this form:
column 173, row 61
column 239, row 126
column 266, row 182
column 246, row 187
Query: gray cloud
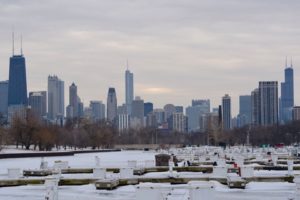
column 187, row 48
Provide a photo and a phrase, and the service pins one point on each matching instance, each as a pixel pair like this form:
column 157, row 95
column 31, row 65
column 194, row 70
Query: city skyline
column 192, row 60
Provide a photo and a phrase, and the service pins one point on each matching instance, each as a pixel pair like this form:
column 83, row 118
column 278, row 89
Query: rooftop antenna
column 21, row 46
column 13, row 43
column 286, row 65
column 291, row 62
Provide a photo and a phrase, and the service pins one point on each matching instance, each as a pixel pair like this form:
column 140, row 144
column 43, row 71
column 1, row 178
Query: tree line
column 31, row 132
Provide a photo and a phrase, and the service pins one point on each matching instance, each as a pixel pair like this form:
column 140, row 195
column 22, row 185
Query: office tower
column 159, row 115
column 226, row 112
column 80, row 108
column 151, row 120
column 123, row 118
column 179, row 122
column 38, row 103
column 129, row 89
column 244, row 116
column 123, row 122
column 201, row 102
column 73, row 102
column 194, row 113
column 268, row 96
column 220, row 114
column 56, row 98
column 148, row 108
column 179, row 109
column 17, row 86
column 137, row 114
column 3, row 98
column 98, row 110
column 255, row 107
column 122, row 109
column 111, row 105
column 287, row 95
column 169, row 110
column 296, row 113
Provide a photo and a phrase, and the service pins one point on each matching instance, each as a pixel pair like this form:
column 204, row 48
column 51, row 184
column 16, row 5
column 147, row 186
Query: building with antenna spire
column 129, row 89
column 287, row 94
column 17, row 87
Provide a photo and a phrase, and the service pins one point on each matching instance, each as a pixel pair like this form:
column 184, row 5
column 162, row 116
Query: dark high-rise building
column 73, row 102
column 111, row 105
column 148, row 108
column 3, row 97
column 226, row 112
column 287, row 95
column 17, row 85
column 268, row 97
column 255, row 107
column 245, row 110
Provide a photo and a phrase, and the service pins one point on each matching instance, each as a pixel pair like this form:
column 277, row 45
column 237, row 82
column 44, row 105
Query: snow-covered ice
column 253, row 191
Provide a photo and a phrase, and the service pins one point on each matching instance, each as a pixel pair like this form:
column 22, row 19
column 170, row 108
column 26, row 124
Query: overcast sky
column 178, row 50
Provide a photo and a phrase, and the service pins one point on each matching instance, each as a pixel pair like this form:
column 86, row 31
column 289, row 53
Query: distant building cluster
column 263, row 107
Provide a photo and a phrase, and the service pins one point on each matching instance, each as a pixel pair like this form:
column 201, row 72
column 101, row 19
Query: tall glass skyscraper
column 287, row 95
column 268, row 97
column 17, row 86
column 226, row 112
column 129, row 91
column 3, row 97
column 245, row 110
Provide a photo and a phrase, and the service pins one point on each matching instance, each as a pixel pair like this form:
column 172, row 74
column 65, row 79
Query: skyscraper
column 179, row 109
column 245, row 110
column 296, row 113
column 129, row 90
column 17, row 86
column 148, row 108
column 255, row 107
column 194, row 113
column 268, row 96
column 226, row 112
column 56, row 98
column 73, row 102
column 169, row 110
column 98, row 110
column 111, row 105
column 287, row 95
column 38, row 103
column 201, row 102
column 179, row 122
column 137, row 114
column 3, row 97
column 160, row 116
